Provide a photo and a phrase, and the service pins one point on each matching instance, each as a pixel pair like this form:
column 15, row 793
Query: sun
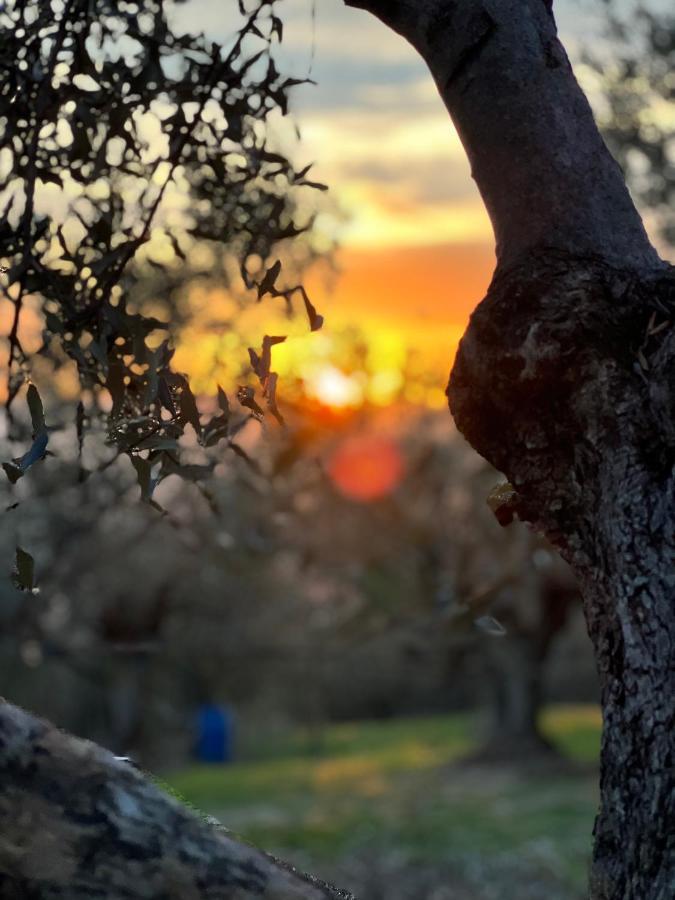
column 333, row 388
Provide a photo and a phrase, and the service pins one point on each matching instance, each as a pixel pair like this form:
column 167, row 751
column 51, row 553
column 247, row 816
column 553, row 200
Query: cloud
column 319, row 28
column 385, row 219
column 374, row 122
column 339, row 32
column 401, row 179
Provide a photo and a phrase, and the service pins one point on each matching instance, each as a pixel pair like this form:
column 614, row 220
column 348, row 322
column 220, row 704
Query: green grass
column 374, row 786
column 575, row 730
column 352, row 756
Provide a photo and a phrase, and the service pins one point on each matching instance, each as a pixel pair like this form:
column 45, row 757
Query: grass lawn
column 393, row 790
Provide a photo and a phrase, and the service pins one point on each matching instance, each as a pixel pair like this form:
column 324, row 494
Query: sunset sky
column 416, row 244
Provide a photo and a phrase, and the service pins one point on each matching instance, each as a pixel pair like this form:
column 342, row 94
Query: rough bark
column 75, row 822
column 565, row 382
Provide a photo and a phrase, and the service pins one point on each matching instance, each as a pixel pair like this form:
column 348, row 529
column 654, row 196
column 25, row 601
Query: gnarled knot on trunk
column 557, row 358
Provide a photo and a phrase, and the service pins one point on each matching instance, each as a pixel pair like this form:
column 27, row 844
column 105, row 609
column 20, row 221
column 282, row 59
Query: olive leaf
column 490, row 625
column 17, row 468
column 23, row 573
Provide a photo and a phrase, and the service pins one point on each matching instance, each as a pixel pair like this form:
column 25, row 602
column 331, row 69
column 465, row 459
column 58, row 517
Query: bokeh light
column 366, row 468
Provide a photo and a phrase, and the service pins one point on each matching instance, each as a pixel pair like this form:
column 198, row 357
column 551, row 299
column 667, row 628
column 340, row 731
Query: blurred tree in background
column 136, row 162
column 424, row 570
column 636, row 88
column 145, row 185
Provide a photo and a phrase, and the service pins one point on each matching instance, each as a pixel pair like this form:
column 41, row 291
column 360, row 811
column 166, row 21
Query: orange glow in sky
column 366, row 468
column 426, row 292
column 415, row 247
column 408, row 306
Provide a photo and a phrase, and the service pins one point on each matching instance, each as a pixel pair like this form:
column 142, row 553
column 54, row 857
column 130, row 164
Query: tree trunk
column 514, row 675
column 75, row 822
column 123, row 702
column 588, row 455
column 565, row 382
column 534, row 610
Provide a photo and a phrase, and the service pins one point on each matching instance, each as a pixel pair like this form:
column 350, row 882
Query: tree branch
column 76, row 822
column 544, row 173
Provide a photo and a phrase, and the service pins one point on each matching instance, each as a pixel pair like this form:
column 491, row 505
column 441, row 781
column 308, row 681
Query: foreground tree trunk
column 76, row 822
column 565, row 382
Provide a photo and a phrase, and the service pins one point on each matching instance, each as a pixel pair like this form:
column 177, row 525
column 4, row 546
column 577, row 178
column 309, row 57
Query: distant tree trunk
column 514, row 676
column 565, row 382
column 516, row 668
column 124, row 704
